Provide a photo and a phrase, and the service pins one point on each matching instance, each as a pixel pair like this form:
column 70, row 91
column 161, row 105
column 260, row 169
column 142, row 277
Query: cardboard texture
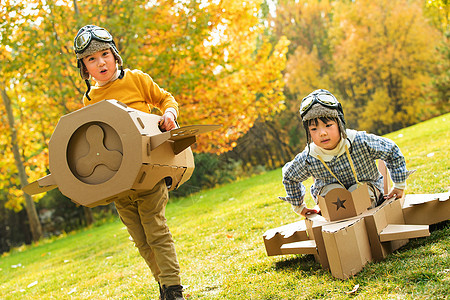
column 377, row 219
column 303, row 247
column 426, row 209
column 348, row 247
column 275, row 238
column 344, row 239
column 108, row 150
column 314, row 225
column 339, row 204
column 386, row 177
column 394, row 232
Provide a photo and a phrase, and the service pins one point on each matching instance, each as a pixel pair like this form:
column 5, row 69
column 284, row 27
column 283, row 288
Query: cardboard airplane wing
column 344, row 246
column 348, row 233
column 108, row 150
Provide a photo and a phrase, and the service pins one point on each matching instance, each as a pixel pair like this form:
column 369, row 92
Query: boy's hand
column 167, row 122
column 397, row 193
column 308, row 211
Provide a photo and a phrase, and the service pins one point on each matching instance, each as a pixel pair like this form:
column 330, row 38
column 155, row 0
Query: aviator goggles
column 324, row 98
column 83, row 39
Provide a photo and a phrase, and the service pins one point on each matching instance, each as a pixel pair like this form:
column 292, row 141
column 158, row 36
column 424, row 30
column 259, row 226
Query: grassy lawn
column 218, row 235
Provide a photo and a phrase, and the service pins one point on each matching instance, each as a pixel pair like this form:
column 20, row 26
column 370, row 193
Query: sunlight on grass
column 219, row 242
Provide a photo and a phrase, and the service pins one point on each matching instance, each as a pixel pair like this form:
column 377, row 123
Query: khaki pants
column 145, row 219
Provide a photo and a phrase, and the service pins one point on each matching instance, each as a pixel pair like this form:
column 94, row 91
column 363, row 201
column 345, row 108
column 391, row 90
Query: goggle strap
column 122, row 72
column 88, row 89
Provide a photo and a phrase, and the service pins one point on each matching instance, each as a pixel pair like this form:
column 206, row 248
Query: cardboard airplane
column 108, row 150
column 347, row 235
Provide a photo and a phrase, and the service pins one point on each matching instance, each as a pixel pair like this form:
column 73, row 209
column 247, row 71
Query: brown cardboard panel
column 182, row 137
column 35, row 188
column 339, row 203
column 361, row 199
column 416, row 199
column 401, row 231
column 314, row 223
column 379, row 218
column 426, row 209
column 104, row 151
column 348, row 247
column 275, row 238
column 303, row 247
column 386, row 177
column 394, row 215
column 150, row 175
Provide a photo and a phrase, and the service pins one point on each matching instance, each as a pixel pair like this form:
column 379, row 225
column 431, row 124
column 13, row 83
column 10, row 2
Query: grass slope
column 219, row 242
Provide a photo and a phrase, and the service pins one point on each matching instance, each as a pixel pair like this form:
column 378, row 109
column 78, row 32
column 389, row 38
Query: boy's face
column 101, row 65
column 325, row 135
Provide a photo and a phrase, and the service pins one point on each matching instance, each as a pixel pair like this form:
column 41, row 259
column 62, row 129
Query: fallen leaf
column 355, row 288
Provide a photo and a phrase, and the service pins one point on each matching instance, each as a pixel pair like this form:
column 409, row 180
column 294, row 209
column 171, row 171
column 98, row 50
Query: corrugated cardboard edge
column 290, row 233
column 376, row 220
column 302, row 247
column 426, row 209
column 346, row 261
column 314, row 225
column 394, row 232
column 355, row 203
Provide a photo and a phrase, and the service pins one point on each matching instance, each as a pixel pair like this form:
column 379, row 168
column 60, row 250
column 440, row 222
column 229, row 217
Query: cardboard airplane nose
column 108, row 150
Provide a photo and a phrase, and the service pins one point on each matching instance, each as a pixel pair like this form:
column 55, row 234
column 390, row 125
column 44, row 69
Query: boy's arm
column 395, row 192
column 303, row 210
column 294, row 173
column 163, row 100
column 158, row 97
column 386, row 150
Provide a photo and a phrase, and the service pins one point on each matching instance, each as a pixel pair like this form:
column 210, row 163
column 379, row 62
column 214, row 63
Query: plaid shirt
column 365, row 149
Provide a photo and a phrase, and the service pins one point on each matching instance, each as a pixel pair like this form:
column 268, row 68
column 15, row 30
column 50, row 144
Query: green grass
column 218, row 235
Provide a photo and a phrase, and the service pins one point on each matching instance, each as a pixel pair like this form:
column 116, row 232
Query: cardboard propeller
column 108, row 150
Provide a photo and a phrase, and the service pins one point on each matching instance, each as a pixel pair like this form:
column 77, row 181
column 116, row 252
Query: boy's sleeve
column 294, row 173
column 157, row 96
column 386, row 150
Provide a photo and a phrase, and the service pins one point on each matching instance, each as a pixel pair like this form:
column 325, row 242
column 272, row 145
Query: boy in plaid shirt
column 332, row 150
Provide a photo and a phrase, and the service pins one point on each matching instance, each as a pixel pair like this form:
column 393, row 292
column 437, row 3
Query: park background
column 243, row 64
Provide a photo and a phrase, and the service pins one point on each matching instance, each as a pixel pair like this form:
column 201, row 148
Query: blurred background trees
column 245, row 65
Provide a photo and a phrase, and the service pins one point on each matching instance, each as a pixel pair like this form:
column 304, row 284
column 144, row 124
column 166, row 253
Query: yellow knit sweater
column 136, row 89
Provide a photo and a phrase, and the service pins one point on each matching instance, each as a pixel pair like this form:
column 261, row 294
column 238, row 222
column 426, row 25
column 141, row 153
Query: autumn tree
column 14, row 132
column 375, row 56
column 212, row 56
column 438, row 93
column 383, row 51
column 305, row 24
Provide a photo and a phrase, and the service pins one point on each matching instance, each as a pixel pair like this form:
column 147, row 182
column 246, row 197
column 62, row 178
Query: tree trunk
column 35, row 225
column 89, row 218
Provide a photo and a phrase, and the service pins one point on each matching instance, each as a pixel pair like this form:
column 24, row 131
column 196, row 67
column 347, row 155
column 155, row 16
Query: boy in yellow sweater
column 144, row 216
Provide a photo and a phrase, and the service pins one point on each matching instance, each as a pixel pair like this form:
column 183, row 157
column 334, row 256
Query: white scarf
column 328, row 155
